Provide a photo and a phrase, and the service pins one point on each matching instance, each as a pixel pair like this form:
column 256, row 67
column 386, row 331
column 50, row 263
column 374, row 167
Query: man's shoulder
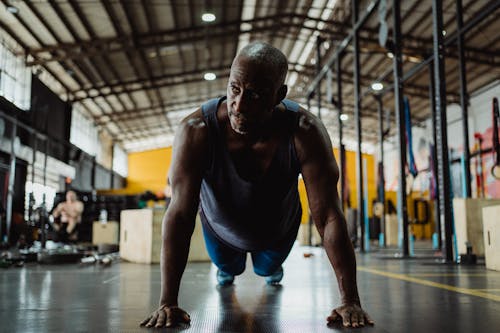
column 193, row 128
column 310, row 130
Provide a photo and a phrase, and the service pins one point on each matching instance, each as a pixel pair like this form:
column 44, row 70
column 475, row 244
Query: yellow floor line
column 452, row 274
column 404, row 277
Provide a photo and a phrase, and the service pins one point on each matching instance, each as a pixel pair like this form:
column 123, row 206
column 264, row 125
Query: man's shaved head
column 268, row 56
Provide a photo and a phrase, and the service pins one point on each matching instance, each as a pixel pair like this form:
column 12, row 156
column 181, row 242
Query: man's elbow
column 177, row 226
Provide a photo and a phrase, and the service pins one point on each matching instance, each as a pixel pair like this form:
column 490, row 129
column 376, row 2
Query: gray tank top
column 251, row 215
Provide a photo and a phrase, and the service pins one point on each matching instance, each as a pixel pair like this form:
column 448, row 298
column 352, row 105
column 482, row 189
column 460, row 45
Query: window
column 84, row 134
column 15, row 79
column 120, row 161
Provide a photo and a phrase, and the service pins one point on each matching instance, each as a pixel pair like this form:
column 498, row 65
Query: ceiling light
column 344, row 117
column 377, row 86
column 414, row 59
column 390, row 55
column 208, row 17
column 209, row 76
column 12, row 9
column 444, row 32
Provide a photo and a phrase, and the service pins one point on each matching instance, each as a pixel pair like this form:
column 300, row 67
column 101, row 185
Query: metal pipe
column 318, row 68
column 33, row 160
column 338, row 65
column 112, row 180
column 480, row 16
column 343, row 45
column 432, row 94
column 12, row 179
column 381, row 174
column 309, row 225
column 463, row 98
column 43, row 231
column 399, row 109
column 441, row 128
column 357, row 117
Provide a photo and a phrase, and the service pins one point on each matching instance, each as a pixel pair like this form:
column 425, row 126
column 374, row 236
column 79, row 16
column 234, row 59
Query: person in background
column 67, row 216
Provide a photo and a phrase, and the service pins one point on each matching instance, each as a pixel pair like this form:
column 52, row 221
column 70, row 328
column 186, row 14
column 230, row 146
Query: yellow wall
column 147, row 171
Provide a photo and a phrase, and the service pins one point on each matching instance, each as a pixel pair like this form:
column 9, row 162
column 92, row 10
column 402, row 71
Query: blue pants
column 232, row 261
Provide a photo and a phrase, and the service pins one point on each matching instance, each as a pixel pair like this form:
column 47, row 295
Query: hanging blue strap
column 409, row 140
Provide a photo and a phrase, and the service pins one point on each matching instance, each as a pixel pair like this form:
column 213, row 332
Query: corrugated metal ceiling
column 136, row 67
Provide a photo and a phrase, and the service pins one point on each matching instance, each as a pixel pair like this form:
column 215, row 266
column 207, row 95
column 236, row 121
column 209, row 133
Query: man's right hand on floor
column 167, row 316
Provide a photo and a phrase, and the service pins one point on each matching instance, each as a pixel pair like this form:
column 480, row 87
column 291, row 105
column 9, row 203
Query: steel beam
column 340, row 106
column 343, row 45
column 381, row 198
column 450, row 39
column 464, row 100
column 434, row 166
column 11, row 180
column 319, row 41
column 400, row 116
column 441, row 129
column 357, row 119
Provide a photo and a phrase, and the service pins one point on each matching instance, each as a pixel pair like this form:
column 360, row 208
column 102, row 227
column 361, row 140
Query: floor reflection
column 261, row 317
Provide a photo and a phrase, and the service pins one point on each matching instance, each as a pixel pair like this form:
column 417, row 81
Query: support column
column 310, row 222
column 33, row 161
column 357, row 118
column 12, row 179
column 43, row 231
column 437, row 214
column 381, row 175
column 464, row 100
column 399, row 109
column 318, row 70
column 338, row 68
column 441, row 129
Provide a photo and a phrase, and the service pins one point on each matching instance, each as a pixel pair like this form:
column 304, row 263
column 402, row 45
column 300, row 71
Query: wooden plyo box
column 391, row 229
column 491, row 233
column 468, row 217
column 140, row 237
column 105, row 233
column 303, row 235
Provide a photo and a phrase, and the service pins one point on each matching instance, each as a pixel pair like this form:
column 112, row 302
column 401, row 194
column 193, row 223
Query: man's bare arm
column 186, row 172
column 316, row 157
column 57, row 211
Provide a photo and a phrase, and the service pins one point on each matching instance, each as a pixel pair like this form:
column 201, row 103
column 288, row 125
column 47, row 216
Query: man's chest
column 252, row 162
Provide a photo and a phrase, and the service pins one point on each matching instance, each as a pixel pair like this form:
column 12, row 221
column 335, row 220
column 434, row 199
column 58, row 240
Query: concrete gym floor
column 401, row 295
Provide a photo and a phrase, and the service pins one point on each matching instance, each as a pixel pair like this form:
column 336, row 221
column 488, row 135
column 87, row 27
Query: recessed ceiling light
column 377, row 86
column 208, row 17
column 209, row 76
column 344, row 117
column 12, row 9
